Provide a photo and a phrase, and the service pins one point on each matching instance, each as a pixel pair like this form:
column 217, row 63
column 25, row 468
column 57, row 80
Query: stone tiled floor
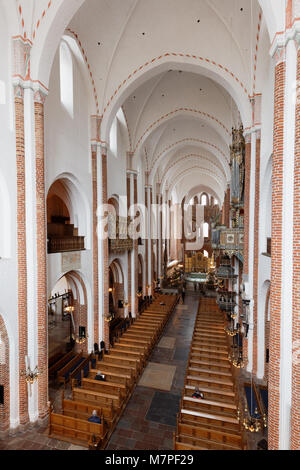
column 149, row 420
column 141, row 426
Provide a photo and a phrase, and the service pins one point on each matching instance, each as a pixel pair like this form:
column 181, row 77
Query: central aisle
column 149, row 420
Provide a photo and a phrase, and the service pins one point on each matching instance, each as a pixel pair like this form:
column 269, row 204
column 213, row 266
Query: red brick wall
column 129, row 253
column 95, row 246
column 81, row 311
column 147, row 281
column 136, row 249
column 247, row 203
column 295, row 417
column 21, row 254
column 152, row 247
column 276, row 266
column 4, row 379
column 119, row 295
column 267, row 334
column 41, row 257
column 105, row 254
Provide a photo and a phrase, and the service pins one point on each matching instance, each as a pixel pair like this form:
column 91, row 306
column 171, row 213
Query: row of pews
column 210, row 422
column 122, row 367
column 65, row 367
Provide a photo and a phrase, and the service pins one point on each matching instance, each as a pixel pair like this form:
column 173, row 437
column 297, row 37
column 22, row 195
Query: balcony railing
column 120, row 237
column 65, row 244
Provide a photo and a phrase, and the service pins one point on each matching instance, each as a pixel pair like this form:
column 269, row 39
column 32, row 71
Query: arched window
column 204, row 200
column 205, row 230
column 66, row 78
column 113, row 142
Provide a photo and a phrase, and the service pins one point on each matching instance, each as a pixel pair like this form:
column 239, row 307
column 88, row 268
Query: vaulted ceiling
column 183, row 73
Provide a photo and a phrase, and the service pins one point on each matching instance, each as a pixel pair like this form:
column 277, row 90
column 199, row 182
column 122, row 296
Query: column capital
column 132, row 172
column 256, row 109
column 99, row 145
column 19, row 92
column 21, row 76
column 103, row 147
column 129, row 158
column 252, row 130
column 281, row 39
column 39, row 97
column 95, row 123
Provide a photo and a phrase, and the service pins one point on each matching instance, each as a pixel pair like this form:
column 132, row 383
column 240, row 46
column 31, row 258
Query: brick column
column 39, row 100
column 129, row 261
column 134, row 261
column 105, row 251
column 160, row 238
column 133, row 255
column 95, row 245
column 256, row 250
column 149, row 241
column 4, row 380
column 276, row 267
column 247, row 202
column 100, row 239
column 295, row 412
column 21, row 252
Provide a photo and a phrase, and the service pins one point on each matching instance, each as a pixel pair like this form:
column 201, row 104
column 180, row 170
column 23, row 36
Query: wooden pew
column 233, row 440
column 114, row 377
column 106, row 367
column 209, row 406
column 131, row 363
column 63, row 374
column 184, row 442
column 83, row 410
column 209, row 364
column 211, row 393
column 115, row 351
column 74, row 430
column 125, row 346
column 132, row 343
column 61, row 363
column 206, row 372
column 209, row 423
column 148, row 339
column 106, row 387
column 211, row 420
column 100, row 399
column 198, row 381
column 121, row 367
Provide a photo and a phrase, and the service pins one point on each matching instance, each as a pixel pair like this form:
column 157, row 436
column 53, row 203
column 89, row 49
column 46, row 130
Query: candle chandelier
column 31, row 376
column 251, row 421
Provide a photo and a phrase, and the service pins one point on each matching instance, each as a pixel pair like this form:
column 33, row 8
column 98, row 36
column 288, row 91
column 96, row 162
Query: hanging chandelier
column 239, row 363
column 252, row 424
column 31, row 376
column 231, row 331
